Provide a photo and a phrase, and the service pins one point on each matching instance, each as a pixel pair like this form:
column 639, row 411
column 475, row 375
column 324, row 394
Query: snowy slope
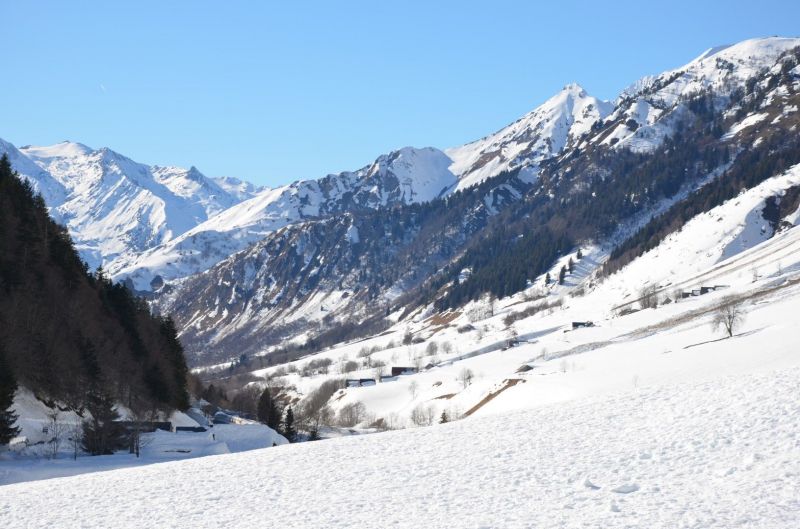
column 715, row 454
column 43, row 183
column 646, row 111
column 402, row 177
column 540, row 134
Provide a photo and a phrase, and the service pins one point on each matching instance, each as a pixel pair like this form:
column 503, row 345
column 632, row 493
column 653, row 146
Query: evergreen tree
column 562, row 274
column 570, row 265
column 8, row 386
column 288, row 426
column 547, row 278
column 268, row 412
column 443, row 419
column 101, row 434
column 579, row 255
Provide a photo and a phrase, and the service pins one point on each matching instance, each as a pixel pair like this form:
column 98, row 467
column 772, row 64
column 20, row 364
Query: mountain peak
column 539, row 134
column 66, row 148
column 574, row 89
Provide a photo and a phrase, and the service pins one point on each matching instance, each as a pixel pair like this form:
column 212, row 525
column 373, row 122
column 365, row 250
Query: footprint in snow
column 589, row 485
column 626, row 489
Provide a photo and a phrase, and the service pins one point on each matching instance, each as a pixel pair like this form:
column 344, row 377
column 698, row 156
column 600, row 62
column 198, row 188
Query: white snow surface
column 157, row 447
column 714, row 454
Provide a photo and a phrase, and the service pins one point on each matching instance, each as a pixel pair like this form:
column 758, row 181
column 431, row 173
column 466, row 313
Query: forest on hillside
column 72, row 336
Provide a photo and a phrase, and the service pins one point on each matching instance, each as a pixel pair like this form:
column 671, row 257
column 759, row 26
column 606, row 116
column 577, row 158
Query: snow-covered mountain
column 114, row 207
column 404, row 176
column 647, row 110
column 540, row 134
column 506, row 229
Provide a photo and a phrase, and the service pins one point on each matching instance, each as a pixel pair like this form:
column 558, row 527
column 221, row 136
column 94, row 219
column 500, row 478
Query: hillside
column 70, row 336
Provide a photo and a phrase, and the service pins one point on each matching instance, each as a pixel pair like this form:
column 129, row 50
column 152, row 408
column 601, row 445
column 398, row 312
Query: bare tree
column 75, row 437
column 491, row 303
column 313, row 410
column 423, row 415
column 56, row 431
column 729, row 315
column 413, row 387
column 647, row 297
column 418, row 363
column 512, row 336
column 352, row 414
column 465, row 376
column 322, row 417
column 377, row 369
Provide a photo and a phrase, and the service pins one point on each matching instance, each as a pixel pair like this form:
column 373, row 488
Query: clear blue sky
column 277, row 91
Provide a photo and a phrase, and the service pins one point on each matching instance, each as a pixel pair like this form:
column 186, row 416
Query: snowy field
column 719, row 453
column 157, row 447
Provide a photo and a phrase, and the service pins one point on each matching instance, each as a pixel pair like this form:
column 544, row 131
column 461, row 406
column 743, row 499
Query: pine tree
column 443, row 419
column 288, row 425
column 547, row 279
column 101, row 434
column 579, row 255
column 267, row 410
column 8, row 386
column 570, row 265
column 562, row 274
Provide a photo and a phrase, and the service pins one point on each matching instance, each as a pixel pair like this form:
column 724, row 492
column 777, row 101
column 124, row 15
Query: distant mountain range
column 243, row 267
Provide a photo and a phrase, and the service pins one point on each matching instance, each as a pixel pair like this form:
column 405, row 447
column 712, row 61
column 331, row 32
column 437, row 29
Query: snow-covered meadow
column 723, row 452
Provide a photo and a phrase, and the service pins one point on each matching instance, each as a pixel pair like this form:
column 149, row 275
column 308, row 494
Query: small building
column 397, row 371
column 145, row 426
column 581, row 324
column 359, row 382
column 195, row 429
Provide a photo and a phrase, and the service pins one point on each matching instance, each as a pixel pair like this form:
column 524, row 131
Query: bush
column 530, row 311
column 349, row 366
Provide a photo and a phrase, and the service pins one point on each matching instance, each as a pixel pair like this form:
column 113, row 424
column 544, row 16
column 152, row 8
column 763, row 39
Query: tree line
column 72, row 336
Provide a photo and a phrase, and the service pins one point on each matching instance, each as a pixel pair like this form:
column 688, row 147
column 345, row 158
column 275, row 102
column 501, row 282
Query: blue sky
column 277, row 91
